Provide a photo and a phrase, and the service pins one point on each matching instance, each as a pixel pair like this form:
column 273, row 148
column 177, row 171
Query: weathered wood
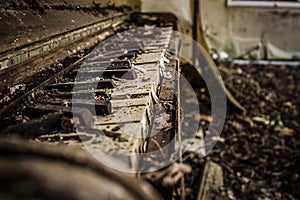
column 35, row 127
column 99, row 106
column 109, row 73
column 134, row 102
column 101, row 84
column 84, row 93
column 84, row 115
column 211, row 181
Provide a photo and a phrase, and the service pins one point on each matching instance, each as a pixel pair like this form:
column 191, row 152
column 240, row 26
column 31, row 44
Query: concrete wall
column 238, row 30
column 180, row 8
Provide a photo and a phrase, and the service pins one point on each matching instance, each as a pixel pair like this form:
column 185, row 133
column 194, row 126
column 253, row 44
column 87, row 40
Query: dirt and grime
column 259, row 150
column 25, row 22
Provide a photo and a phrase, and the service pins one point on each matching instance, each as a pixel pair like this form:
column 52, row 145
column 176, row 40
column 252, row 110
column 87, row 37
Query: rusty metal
column 179, row 134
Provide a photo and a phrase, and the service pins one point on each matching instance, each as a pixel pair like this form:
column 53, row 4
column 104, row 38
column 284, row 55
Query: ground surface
column 260, row 151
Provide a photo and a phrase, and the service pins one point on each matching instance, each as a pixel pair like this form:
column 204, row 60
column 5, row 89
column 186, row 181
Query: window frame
column 263, row 4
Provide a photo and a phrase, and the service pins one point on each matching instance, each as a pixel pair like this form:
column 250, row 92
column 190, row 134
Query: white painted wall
column 237, row 29
column 180, row 8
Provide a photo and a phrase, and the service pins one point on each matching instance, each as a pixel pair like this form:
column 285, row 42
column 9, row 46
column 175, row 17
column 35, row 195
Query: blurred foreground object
column 39, row 171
